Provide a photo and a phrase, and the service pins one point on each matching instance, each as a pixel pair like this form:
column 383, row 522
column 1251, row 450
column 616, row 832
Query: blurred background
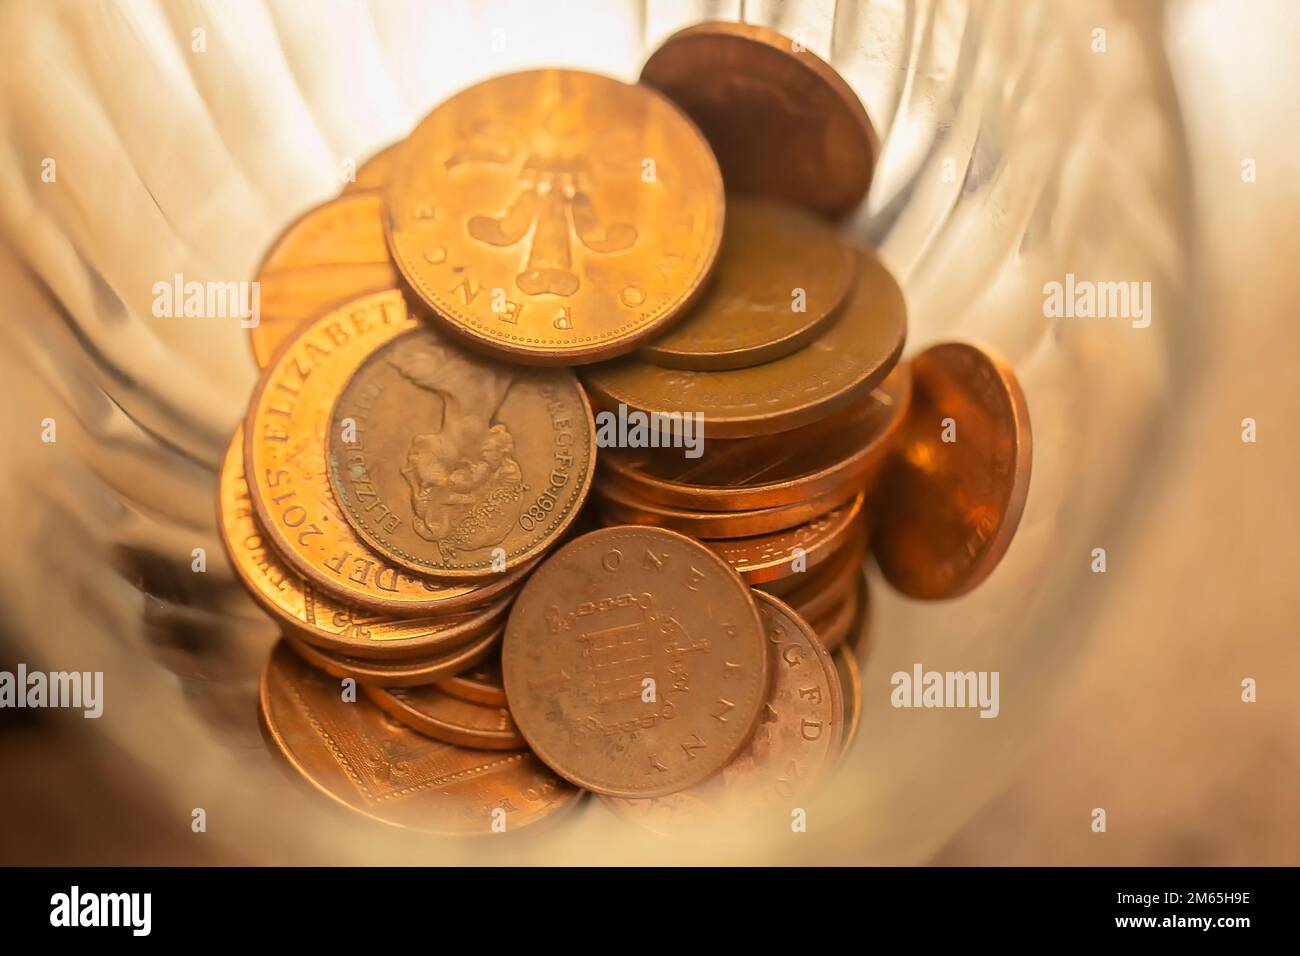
column 1120, row 691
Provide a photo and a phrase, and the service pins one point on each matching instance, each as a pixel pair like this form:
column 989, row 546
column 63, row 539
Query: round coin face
column 782, row 122
column 634, row 662
column 835, row 370
column 288, row 482
column 360, row 757
column 797, row 739
column 781, row 275
column 374, row 172
column 555, row 217
column 456, row 465
column 334, row 253
column 315, row 616
column 951, row 498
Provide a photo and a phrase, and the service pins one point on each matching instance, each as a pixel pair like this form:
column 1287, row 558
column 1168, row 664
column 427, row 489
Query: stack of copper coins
column 502, row 582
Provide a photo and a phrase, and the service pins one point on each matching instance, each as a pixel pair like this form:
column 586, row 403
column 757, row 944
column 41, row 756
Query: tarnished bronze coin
column 843, row 451
column 334, row 253
column 316, row 617
column 480, row 684
column 437, row 714
column 782, row 122
column 555, row 217
column 406, row 672
column 797, row 740
column 827, row 584
column 634, row 662
column 846, row 666
column 834, row 371
column 620, row 505
column 284, row 458
column 836, row 624
column 951, row 498
column 455, row 465
column 374, row 172
column 771, row 557
column 360, row 757
column 781, row 275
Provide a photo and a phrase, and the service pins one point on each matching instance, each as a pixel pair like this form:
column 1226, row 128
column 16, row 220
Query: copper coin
column 439, row 715
column 284, row 457
column 836, row 370
column 782, row 122
column 480, row 684
column 334, row 253
column 948, row 509
column 555, row 217
column 770, row 557
column 843, row 451
column 374, row 172
column 313, row 616
column 829, row 583
column 399, row 673
column 846, row 665
column 621, row 506
column 835, row 625
column 455, row 465
column 798, row 736
column 360, row 757
column 781, row 275
column 634, row 662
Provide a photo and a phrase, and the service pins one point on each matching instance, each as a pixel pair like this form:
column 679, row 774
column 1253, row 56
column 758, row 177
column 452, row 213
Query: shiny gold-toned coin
column 360, row 757
column 399, row 673
column 620, row 505
column 951, row 498
column 316, row 617
column 284, row 457
column 847, row 450
column 797, row 739
column 782, row 122
column 770, row 557
column 555, row 217
column 480, row 684
column 781, row 275
column 437, row 714
column 455, row 465
column 846, row 665
column 835, row 370
column 334, row 253
column 634, row 662
column 375, row 171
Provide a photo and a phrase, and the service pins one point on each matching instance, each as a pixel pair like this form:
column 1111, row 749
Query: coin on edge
column 399, row 673
column 333, row 253
column 439, row 715
column 634, row 662
column 949, row 509
column 782, row 121
column 313, row 616
column 835, row 370
column 284, row 459
column 781, row 275
column 846, row 665
column 360, row 757
column 766, row 558
column 735, row 474
column 797, row 739
column 455, row 465
column 555, row 217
